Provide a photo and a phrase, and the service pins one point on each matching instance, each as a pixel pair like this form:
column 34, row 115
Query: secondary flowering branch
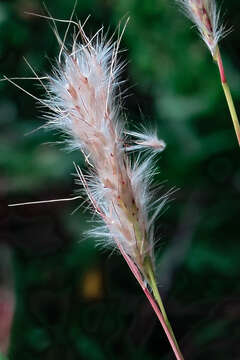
column 206, row 16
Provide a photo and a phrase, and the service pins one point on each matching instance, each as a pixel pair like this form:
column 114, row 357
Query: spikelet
column 205, row 15
column 146, row 141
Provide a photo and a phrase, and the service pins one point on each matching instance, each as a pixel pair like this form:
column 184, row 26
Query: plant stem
column 228, row 94
column 170, row 336
column 166, row 325
column 158, row 299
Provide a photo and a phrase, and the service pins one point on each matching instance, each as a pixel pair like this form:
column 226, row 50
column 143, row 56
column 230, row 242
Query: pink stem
column 155, row 307
column 165, row 328
column 221, row 69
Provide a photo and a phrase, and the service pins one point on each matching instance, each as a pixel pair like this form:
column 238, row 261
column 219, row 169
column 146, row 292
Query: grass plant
column 83, row 99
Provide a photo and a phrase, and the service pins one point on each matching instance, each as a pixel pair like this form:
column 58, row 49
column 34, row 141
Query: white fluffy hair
column 84, row 102
column 206, row 16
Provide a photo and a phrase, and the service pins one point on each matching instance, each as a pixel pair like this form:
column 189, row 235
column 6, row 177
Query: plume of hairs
column 83, row 99
column 206, row 16
column 146, row 141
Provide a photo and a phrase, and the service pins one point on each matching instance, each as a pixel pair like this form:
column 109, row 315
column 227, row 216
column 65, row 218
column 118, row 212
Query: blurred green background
column 74, row 301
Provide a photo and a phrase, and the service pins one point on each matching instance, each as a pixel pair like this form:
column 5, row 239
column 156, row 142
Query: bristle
column 206, row 16
column 146, row 141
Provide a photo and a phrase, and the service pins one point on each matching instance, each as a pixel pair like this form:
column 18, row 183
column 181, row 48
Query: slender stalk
column 165, row 324
column 170, row 336
column 148, row 267
column 158, row 299
column 228, row 94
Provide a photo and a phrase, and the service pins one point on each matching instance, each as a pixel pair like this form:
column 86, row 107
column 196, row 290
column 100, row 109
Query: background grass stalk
column 206, row 16
column 228, row 94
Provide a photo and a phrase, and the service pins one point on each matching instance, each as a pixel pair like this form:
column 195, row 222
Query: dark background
column 74, row 301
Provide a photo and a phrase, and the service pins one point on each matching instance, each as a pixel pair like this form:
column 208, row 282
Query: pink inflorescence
column 83, row 95
column 205, row 15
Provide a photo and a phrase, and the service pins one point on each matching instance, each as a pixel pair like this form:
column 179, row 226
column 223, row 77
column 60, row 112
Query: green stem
column 228, row 94
column 232, row 110
column 156, row 294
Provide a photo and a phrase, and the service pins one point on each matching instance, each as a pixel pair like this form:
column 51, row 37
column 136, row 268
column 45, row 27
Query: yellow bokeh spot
column 93, row 285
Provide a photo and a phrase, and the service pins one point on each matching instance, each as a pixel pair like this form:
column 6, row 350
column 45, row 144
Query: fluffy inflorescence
column 205, row 15
column 83, row 98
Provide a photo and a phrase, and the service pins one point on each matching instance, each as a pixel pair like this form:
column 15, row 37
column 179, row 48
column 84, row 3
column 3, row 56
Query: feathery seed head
column 82, row 97
column 205, row 15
